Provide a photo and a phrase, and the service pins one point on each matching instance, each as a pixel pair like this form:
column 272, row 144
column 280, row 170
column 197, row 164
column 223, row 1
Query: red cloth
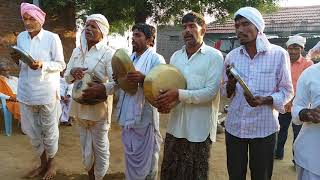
column 13, row 107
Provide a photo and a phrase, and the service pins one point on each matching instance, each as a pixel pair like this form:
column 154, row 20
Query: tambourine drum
column 79, row 86
column 25, row 57
column 121, row 65
column 162, row 77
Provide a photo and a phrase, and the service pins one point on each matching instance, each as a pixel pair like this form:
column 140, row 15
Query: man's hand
column 36, row 65
column 78, row 72
column 166, row 98
column 258, row 100
column 135, row 77
column 15, row 57
column 94, row 91
column 310, row 115
column 164, row 109
column 231, row 84
column 288, row 106
column 14, row 99
column 66, row 99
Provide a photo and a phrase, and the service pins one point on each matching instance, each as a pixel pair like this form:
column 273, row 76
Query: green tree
column 122, row 13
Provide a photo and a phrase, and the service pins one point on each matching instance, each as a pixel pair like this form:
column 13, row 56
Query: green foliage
column 124, row 13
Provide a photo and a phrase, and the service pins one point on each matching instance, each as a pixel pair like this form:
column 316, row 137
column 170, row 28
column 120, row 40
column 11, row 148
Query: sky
column 299, row 2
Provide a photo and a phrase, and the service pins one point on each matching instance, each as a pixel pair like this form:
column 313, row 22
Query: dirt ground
column 17, row 156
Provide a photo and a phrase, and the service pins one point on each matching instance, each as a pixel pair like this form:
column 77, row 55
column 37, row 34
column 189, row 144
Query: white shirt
column 103, row 70
column 65, row 88
column 195, row 117
column 306, row 146
column 12, row 82
column 41, row 86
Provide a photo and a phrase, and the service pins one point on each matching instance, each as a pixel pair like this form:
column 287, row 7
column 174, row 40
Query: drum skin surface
column 162, row 77
column 79, row 86
column 121, row 65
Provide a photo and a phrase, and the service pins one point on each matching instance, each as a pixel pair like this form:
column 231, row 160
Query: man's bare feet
column 35, row 172
column 51, row 170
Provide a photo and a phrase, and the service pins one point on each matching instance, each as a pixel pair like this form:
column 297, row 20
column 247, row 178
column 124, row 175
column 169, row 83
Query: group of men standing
column 251, row 123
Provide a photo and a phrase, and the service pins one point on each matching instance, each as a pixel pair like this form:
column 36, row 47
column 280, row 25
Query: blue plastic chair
column 7, row 117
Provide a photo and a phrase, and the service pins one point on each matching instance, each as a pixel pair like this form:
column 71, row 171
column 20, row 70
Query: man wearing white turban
column 252, row 122
column 295, row 46
column 93, row 56
column 38, row 88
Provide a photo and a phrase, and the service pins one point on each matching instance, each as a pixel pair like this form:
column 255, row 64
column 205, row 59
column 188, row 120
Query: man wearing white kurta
column 192, row 123
column 38, row 87
column 93, row 55
column 65, row 94
column 306, row 111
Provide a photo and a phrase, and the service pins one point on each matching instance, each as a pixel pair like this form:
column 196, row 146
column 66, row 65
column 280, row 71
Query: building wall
column 169, row 40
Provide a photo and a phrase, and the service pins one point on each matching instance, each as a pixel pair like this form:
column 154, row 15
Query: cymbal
column 121, row 65
column 236, row 74
column 162, row 77
column 25, row 57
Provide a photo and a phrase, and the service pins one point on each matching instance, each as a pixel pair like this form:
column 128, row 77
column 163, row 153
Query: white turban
column 103, row 25
column 314, row 52
column 102, row 22
column 255, row 17
column 296, row 39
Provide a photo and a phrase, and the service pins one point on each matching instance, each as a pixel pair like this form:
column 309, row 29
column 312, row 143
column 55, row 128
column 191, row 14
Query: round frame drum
column 121, row 65
column 162, row 77
column 79, row 86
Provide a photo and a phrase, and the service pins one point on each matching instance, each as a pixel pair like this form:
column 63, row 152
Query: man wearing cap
column 295, row 46
column 93, row 56
column 252, row 123
column 38, row 88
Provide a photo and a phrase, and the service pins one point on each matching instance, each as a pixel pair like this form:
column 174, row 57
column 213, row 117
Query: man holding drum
column 192, row 124
column 38, row 87
column 137, row 117
column 93, row 59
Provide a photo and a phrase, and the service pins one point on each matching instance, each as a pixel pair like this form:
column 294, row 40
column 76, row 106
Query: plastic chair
column 7, row 117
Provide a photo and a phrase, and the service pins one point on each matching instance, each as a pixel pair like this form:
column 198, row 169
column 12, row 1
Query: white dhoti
column 94, row 143
column 40, row 123
column 65, row 107
column 304, row 174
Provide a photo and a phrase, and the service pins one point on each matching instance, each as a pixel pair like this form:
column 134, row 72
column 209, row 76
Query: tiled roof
column 286, row 19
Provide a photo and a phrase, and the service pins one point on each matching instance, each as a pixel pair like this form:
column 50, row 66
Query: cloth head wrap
column 296, row 39
column 255, row 17
column 103, row 25
column 33, row 11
